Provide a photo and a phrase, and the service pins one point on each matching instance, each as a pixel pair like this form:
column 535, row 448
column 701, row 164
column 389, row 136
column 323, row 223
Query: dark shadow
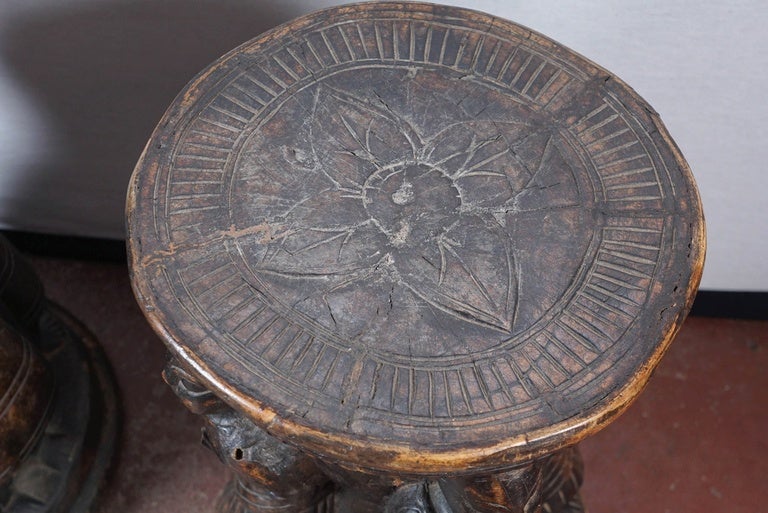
column 68, row 247
column 104, row 73
column 731, row 304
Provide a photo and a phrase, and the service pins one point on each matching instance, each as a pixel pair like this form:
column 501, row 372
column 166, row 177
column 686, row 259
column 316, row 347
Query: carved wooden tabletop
column 415, row 238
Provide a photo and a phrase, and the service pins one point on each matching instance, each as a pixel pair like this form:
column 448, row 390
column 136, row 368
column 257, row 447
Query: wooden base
column 67, row 466
column 273, row 476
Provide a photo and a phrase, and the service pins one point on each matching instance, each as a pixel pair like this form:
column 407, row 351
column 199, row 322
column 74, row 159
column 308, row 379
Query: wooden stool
column 406, row 256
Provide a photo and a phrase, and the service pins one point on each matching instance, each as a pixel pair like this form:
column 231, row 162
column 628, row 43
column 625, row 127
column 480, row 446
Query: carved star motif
column 431, row 213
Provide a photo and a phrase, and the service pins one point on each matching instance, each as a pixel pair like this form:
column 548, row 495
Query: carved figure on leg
column 269, row 475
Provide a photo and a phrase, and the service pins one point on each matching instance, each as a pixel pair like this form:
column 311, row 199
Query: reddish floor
column 694, row 441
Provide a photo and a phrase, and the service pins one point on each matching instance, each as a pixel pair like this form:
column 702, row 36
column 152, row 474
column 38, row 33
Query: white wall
column 83, row 83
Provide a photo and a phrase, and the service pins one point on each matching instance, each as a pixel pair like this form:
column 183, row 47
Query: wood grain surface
column 415, row 238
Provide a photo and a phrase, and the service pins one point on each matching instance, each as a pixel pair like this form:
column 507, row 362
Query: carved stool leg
column 270, row 476
column 244, row 495
column 515, row 491
column 562, row 477
column 548, row 485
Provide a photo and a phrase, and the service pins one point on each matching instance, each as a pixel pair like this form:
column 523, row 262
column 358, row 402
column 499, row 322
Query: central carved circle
column 411, row 203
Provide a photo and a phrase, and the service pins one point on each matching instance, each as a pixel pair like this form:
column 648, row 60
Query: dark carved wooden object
column 57, row 400
column 26, row 392
column 26, row 380
column 270, row 475
column 406, row 256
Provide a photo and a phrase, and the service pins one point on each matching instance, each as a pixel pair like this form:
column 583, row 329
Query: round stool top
column 415, row 238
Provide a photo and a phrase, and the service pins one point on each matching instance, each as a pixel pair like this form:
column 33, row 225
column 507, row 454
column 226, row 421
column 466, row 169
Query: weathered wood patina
column 427, row 248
